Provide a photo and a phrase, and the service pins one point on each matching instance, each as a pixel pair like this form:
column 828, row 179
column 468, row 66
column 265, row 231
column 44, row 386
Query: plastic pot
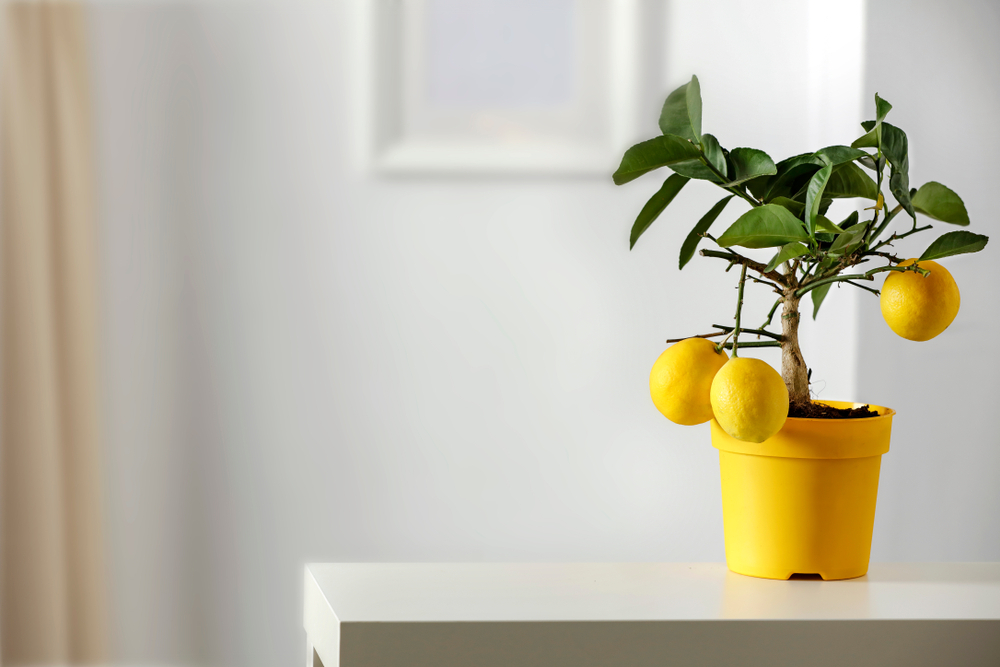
column 803, row 501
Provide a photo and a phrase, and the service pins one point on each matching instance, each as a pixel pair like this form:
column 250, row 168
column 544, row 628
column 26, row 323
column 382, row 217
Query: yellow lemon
column 681, row 379
column 918, row 307
column 749, row 399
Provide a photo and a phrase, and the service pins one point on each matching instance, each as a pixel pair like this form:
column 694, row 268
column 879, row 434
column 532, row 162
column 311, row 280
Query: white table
column 638, row 614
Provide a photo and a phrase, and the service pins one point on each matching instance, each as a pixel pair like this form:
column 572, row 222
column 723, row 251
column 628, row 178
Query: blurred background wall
column 939, row 499
column 306, row 361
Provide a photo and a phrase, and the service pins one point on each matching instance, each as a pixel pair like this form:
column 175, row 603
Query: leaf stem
column 869, row 289
column 895, row 237
column 732, row 189
column 737, row 258
column 766, row 282
column 708, row 335
column 739, row 310
column 885, row 223
column 757, row 332
column 770, row 314
column 867, row 275
column 763, row 343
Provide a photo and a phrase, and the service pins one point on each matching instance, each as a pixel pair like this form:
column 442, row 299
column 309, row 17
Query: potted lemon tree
column 799, row 476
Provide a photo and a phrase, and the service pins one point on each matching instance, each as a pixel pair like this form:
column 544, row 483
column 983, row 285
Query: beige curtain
column 52, row 600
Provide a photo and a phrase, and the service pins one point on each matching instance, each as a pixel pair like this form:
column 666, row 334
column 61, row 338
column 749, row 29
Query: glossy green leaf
column 818, row 295
column 792, row 174
column 870, row 139
column 655, row 206
column 787, row 252
column 694, row 236
column 796, row 207
column 695, row 169
column 839, row 154
column 849, row 221
column 758, row 186
column 814, row 195
column 868, row 162
column 895, row 147
column 875, row 135
column 899, row 186
column 847, row 242
column 791, row 167
column 848, row 180
column 941, row 203
column 681, row 113
column 955, row 243
column 824, row 224
column 653, row 154
column 764, row 227
column 749, row 163
column 881, row 108
column 714, row 153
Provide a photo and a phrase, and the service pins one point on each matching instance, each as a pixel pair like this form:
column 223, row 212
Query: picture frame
column 424, row 112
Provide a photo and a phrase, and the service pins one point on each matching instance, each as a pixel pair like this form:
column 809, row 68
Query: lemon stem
column 739, row 310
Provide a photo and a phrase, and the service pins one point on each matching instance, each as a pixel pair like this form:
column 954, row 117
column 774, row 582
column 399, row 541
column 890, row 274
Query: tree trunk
column 793, row 366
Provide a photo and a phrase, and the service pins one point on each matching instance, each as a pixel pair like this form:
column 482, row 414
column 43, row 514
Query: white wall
column 939, row 498
column 308, row 362
column 141, row 79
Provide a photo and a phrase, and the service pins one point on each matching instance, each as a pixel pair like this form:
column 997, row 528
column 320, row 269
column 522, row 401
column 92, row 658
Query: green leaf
column 714, row 152
column 955, row 243
column 758, row 186
column 895, row 147
column 824, row 224
column 849, row 221
column 848, row 180
column 818, row 295
column 655, row 206
column 881, row 109
column 941, row 203
column 870, row 139
column 787, row 252
column 796, row 207
column 653, row 154
column 839, row 154
column 749, row 163
column 695, row 169
column 899, row 186
column 846, row 243
column 681, row 114
column 894, row 143
column 792, row 174
column 814, row 195
column 869, row 163
column 875, row 136
column 694, row 236
column 764, row 227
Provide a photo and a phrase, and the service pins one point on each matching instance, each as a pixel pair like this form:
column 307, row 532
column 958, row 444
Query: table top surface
column 428, row 592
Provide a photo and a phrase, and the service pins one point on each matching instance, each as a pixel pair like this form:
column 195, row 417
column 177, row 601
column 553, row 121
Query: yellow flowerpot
column 803, row 501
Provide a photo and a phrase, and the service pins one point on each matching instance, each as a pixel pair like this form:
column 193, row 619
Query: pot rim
column 883, row 412
column 816, row 437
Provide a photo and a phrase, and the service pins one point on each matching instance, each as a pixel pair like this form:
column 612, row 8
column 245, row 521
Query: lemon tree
column 784, row 208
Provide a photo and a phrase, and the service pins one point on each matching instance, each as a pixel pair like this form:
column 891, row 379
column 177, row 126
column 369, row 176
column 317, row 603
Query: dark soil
column 820, row 411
